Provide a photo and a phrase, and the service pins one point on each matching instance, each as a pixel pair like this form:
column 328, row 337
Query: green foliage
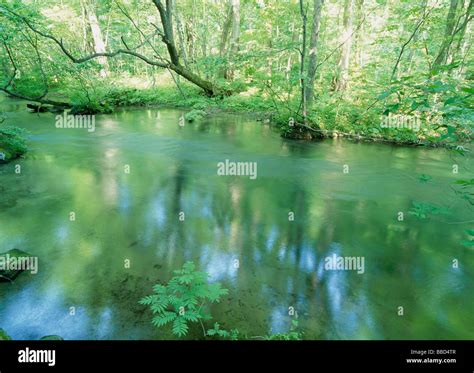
column 466, row 190
column 423, row 210
column 195, row 115
column 470, row 241
column 12, row 142
column 233, row 334
column 293, row 335
column 424, row 178
column 264, row 69
column 184, row 299
column 4, row 336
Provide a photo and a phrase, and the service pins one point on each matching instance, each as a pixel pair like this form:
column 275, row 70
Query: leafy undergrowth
column 444, row 122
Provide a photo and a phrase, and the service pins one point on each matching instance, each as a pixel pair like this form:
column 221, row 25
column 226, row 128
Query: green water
column 135, row 217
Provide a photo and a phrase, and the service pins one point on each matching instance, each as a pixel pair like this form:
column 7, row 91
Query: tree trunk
column 411, row 53
column 302, row 62
column 208, row 88
column 166, row 15
column 448, row 34
column 232, row 27
column 181, row 38
column 313, row 53
column 464, row 27
column 342, row 74
column 235, row 34
column 167, row 35
column 359, row 37
column 99, row 44
column 225, row 32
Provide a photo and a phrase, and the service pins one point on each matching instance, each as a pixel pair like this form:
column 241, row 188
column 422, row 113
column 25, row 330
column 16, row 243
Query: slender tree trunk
column 235, row 34
column 313, row 53
column 412, row 37
column 448, row 34
column 190, row 42
column 411, row 52
column 225, row 31
column 231, row 35
column 203, row 30
column 359, row 38
column 464, row 27
column 288, row 62
column 302, row 62
column 84, row 27
column 342, row 74
column 166, row 15
column 99, row 44
column 181, row 38
column 463, row 47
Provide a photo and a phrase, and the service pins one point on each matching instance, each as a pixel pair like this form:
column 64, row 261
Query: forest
column 314, row 68
column 131, row 132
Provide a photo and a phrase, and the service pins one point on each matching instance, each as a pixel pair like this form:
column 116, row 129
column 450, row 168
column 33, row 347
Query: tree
column 313, row 52
column 99, row 44
column 448, row 34
column 231, row 30
column 166, row 33
column 341, row 77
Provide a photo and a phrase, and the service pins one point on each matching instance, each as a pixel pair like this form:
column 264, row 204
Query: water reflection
column 136, row 217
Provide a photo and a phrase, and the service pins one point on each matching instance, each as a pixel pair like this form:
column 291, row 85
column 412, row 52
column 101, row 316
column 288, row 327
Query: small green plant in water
column 424, row 178
column 233, row 334
column 469, row 242
column 184, row 299
column 423, row 209
column 466, row 190
column 293, row 335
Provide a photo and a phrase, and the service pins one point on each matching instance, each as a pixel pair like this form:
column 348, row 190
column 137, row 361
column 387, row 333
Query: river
column 146, row 198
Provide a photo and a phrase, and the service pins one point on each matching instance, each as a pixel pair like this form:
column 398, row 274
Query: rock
column 7, row 274
column 4, row 336
column 51, row 338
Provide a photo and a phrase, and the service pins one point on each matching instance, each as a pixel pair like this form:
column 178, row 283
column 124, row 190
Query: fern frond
column 180, row 327
column 164, row 319
column 159, row 305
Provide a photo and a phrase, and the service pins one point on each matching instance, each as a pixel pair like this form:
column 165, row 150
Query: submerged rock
column 51, row 338
column 10, row 272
